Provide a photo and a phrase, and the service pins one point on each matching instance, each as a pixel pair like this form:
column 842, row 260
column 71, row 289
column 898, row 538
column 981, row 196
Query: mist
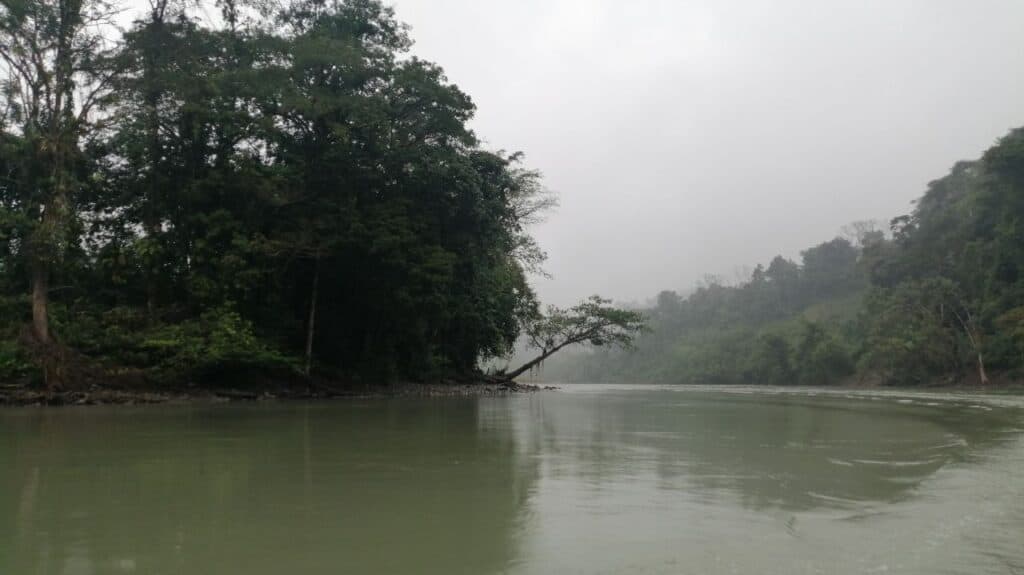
column 701, row 137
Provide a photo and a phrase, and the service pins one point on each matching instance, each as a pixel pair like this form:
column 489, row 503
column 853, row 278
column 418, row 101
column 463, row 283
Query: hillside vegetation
column 939, row 298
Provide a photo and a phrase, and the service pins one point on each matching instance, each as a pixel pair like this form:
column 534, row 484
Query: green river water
column 589, row 479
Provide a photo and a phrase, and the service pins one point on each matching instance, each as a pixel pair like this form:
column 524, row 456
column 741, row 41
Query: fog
column 687, row 138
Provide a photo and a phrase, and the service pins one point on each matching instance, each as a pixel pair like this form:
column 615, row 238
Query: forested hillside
column 938, row 299
column 273, row 188
column 284, row 189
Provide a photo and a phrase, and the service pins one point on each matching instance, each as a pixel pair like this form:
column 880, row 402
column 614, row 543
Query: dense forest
column 281, row 190
column 938, row 298
column 284, row 190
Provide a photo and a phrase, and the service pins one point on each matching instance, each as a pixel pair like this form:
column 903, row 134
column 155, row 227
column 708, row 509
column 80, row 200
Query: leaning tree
column 592, row 322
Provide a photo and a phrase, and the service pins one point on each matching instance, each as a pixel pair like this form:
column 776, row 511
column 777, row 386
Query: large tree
column 56, row 71
column 284, row 177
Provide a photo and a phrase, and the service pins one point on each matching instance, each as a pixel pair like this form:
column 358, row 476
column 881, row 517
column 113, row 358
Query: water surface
column 590, row 479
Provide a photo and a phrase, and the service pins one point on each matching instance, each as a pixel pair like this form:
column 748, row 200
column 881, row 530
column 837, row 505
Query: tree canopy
column 280, row 187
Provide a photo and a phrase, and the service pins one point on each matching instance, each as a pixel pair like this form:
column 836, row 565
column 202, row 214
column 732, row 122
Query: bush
column 820, row 358
column 772, row 363
column 14, row 364
column 217, row 340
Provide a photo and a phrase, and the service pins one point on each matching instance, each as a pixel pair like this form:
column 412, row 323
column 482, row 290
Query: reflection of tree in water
column 387, row 486
column 786, row 451
column 435, row 487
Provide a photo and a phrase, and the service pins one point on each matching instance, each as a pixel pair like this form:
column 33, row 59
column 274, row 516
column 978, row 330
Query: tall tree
column 284, row 179
column 55, row 74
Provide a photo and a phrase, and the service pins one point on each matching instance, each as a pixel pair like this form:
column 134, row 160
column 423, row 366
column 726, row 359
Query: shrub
column 14, row 364
column 217, row 340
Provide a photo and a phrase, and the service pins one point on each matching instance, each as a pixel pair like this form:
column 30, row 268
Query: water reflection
column 697, row 481
column 380, row 487
column 789, row 451
column 588, row 480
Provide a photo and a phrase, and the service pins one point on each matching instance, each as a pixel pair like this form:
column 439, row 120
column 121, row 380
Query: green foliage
column 593, row 322
column 296, row 178
column 773, row 360
column 907, row 337
column 950, row 280
column 938, row 300
column 14, row 365
column 788, row 324
column 216, row 340
column 821, row 358
column 249, row 159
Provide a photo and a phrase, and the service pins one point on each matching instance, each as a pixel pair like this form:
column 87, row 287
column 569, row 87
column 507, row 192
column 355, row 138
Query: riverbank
column 17, row 395
column 24, row 395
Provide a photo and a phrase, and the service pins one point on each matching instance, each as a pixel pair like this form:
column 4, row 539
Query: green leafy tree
column 592, row 322
column 820, row 357
column 289, row 165
column 56, row 73
column 772, row 363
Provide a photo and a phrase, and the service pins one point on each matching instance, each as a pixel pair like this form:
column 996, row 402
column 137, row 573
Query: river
column 589, row 479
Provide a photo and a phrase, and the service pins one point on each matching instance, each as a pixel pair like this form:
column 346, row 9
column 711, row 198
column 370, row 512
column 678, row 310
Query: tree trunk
column 47, row 249
column 40, row 302
column 151, row 227
column 534, row 362
column 974, row 336
column 312, row 317
column 45, row 241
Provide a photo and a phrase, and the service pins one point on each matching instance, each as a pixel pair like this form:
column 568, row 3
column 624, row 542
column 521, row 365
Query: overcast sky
column 686, row 138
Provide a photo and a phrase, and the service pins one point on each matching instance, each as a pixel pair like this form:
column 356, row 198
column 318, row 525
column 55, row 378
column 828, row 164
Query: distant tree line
column 937, row 299
column 277, row 186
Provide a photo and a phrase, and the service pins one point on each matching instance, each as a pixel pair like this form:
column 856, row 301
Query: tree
column 55, row 75
column 592, row 322
column 289, row 167
column 819, row 357
column 772, row 361
column 862, row 233
column 830, row 268
column 913, row 331
column 937, row 298
column 159, row 71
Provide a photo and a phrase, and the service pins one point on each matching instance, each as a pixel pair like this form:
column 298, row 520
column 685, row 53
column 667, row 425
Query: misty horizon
column 707, row 138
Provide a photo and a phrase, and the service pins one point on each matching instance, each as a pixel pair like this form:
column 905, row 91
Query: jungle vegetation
column 274, row 189
column 284, row 190
column 937, row 298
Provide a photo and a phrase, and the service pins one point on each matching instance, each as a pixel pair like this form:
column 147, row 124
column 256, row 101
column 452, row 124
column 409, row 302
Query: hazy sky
column 692, row 137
